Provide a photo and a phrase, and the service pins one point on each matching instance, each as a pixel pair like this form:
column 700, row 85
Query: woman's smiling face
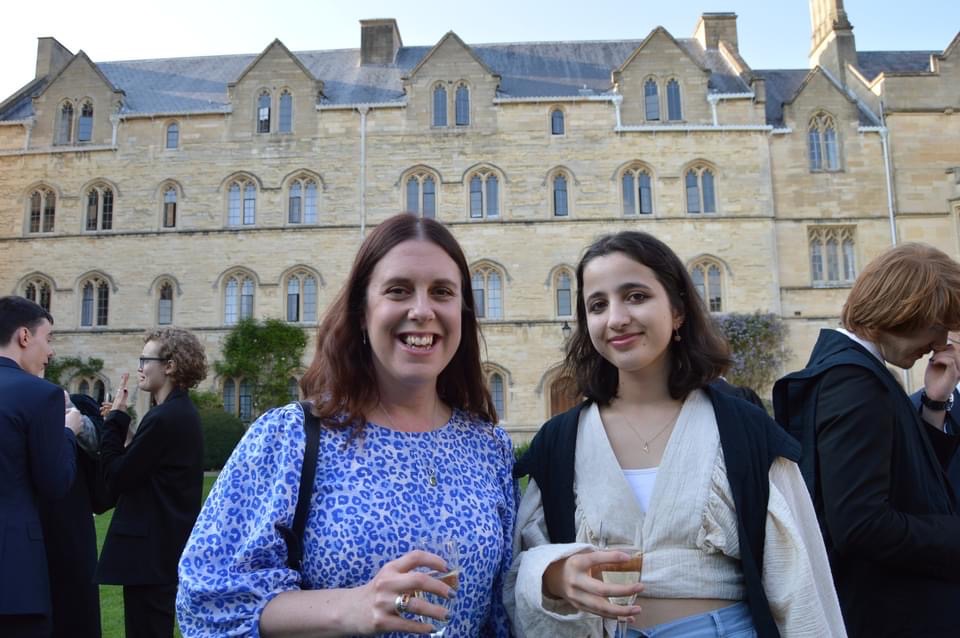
column 629, row 316
column 412, row 315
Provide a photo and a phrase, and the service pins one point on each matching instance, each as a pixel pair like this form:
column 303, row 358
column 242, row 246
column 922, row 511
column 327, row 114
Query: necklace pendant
column 433, row 479
column 646, row 448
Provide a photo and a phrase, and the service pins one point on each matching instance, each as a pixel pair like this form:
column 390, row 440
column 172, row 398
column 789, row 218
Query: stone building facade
column 197, row 191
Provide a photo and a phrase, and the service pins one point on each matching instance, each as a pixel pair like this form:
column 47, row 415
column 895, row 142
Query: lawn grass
column 111, row 596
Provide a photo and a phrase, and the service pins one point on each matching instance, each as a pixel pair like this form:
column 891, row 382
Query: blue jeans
column 728, row 622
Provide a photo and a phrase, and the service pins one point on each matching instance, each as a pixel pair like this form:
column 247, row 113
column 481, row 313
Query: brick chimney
column 714, row 27
column 379, row 41
column 51, row 56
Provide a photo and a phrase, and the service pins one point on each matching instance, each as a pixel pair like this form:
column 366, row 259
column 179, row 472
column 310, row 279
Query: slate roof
column 532, row 69
column 528, row 69
column 781, row 85
column 873, row 63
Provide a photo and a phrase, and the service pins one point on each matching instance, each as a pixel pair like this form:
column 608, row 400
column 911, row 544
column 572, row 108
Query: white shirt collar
column 871, row 347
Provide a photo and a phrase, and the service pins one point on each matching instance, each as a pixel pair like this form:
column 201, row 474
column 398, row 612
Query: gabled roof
column 784, row 86
column 648, row 39
column 952, row 48
column 276, row 44
column 528, row 69
column 81, row 57
column 450, row 35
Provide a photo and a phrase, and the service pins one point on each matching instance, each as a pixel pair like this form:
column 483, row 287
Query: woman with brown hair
column 701, row 483
column 408, row 450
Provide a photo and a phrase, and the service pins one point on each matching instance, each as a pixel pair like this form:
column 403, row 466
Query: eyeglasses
column 143, row 360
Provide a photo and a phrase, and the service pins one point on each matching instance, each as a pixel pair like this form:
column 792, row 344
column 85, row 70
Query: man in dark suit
column 158, row 478
column 873, row 461
column 37, row 460
column 71, row 537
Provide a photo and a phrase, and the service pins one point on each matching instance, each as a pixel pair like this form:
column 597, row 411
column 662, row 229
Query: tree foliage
column 264, row 354
column 758, row 344
column 221, row 433
column 57, row 368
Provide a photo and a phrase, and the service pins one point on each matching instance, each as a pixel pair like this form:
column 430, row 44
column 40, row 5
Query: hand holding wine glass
column 440, row 607
column 576, row 580
column 622, row 572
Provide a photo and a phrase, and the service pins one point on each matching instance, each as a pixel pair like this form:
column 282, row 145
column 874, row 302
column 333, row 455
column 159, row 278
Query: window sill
column 826, row 285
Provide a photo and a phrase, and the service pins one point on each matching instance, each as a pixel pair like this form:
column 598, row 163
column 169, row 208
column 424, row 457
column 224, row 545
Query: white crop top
column 641, row 482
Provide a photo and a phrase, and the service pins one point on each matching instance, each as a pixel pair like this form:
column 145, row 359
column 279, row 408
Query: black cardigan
column 750, row 440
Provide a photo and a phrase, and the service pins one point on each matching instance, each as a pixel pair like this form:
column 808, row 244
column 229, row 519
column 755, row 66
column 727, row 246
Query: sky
column 772, row 33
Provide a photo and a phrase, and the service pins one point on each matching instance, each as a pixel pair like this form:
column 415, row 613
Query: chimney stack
column 379, row 41
column 714, row 27
column 51, row 56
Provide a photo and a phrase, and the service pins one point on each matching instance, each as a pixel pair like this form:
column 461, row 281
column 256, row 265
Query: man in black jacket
column 875, row 464
column 71, row 537
column 158, row 478
column 37, row 461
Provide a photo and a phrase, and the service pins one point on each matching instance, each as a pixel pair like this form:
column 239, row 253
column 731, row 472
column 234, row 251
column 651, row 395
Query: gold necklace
column 429, row 468
column 646, row 442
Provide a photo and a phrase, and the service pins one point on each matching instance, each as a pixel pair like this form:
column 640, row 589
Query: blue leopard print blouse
column 374, row 497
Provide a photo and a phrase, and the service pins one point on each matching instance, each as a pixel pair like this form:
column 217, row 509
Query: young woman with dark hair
column 409, row 450
column 704, row 484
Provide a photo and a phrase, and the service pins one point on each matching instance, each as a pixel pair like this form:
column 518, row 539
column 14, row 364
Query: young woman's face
column 629, row 316
column 412, row 314
column 151, row 373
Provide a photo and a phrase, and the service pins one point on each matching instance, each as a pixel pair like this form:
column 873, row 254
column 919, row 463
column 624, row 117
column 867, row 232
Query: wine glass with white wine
column 622, row 573
column 446, row 548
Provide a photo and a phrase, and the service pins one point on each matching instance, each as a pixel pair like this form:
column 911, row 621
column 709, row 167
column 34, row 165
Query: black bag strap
column 293, row 536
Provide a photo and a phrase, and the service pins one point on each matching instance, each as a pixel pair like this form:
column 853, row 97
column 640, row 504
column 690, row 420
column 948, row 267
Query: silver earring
column 676, row 335
column 363, row 336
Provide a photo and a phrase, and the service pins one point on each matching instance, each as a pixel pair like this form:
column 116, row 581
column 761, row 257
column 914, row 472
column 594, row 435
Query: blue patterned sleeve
column 498, row 623
column 235, row 561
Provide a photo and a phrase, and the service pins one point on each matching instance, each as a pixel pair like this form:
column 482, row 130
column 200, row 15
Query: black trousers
column 148, row 610
column 25, row 626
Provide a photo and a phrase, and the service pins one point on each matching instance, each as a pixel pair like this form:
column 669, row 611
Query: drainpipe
column 888, row 173
column 31, row 121
column 712, row 99
column 115, row 120
column 363, row 169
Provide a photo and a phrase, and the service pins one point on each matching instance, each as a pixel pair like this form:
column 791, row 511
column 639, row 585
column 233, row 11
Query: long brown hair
column 341, row 379
column 700, row 356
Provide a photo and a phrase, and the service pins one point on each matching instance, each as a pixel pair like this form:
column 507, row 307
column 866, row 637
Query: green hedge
column 221, row 433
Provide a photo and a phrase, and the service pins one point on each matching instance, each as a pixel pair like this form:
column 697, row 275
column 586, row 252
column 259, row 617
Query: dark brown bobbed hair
column 341, row 380
column 700, row 356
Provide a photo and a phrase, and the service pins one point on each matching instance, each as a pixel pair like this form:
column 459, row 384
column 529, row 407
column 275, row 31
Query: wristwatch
column 936, row 406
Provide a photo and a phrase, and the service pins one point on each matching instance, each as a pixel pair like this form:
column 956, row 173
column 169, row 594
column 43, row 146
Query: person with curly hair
column 158, row 478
